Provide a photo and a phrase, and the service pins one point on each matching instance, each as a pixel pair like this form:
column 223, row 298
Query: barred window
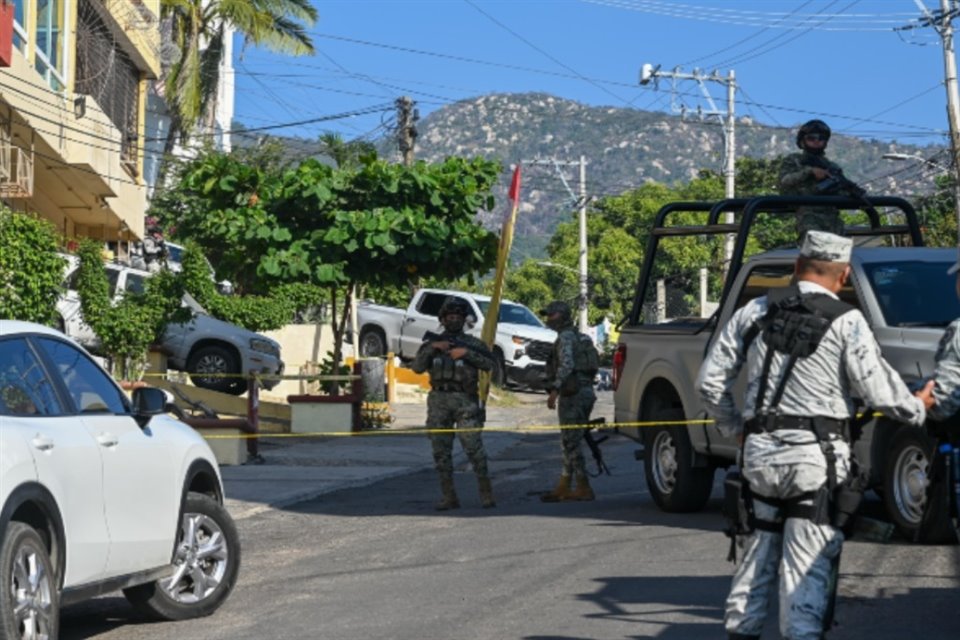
column 108, row 75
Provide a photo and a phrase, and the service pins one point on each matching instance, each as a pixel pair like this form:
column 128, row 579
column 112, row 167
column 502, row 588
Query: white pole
column 582, row 302
column 730, row 169
column 953, row 99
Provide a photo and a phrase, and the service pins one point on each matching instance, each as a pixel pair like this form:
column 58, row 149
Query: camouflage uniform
column 797, row 179
column 455, row 404
column 572, row 409
column 789, row 462
column 946, row 389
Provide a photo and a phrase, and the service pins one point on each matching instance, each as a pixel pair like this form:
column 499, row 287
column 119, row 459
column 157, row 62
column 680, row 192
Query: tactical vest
column 447, row 374
column 586, row 363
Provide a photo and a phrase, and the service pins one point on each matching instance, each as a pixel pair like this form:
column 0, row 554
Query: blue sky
column 840, row 60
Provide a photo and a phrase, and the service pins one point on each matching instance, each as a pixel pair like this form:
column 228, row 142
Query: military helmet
column 812, row 126
column 453, row 305
column 557, row 306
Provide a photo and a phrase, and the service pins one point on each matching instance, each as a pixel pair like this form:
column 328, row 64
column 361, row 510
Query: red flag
column 514, row 193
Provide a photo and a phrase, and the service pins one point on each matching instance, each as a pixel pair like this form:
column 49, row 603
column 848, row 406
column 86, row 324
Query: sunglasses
column 815, row 136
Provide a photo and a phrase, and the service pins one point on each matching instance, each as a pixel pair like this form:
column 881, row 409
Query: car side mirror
column 149, row 402
column 225, row 287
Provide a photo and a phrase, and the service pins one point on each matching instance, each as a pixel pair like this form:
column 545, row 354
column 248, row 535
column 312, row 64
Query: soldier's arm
column 722, row 366
column 872, row 378
column 477, row 354
column 565, row 360
column 793, row 173
column 946, row 376
column 421, row 361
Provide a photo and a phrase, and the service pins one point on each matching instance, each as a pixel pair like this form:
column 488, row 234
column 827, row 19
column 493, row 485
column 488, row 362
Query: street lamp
column 916, row 158
column 582, row 297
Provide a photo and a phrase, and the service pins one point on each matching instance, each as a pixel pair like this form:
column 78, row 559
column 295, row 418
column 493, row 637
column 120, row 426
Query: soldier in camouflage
column 570, row 380
column 795, row 419
column 453, row 361
column 946, row 390
column 807, row 174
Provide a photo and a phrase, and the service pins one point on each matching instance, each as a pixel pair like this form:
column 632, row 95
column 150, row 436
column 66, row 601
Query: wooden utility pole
column 407, row 117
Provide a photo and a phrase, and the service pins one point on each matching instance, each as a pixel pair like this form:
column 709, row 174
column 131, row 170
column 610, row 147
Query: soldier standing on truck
column 809, row 173
column 806, row 353
column 571, row 368
column 453, row 360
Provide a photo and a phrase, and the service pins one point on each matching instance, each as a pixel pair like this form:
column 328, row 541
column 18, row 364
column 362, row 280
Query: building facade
column 73, row 96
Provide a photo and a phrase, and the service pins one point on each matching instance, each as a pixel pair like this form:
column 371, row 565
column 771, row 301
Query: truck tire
column 373, row 344
column 674, row 483
column 215, row 359
column 905, row 494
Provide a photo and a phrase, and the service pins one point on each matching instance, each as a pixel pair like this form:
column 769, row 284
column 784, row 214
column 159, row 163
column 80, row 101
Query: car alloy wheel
column 29, row 602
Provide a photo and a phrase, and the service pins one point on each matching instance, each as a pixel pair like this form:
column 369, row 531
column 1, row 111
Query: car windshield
column 512, row 313
column 914, row 294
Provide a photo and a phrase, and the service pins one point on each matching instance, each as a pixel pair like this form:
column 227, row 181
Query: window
column 914, row 294
column 19, row 20
column 51, row 41
column 763, row 278
column 90, row 388
column 431, row 302
column 25, row 389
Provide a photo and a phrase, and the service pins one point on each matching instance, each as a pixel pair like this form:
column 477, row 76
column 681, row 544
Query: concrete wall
column 300, row 344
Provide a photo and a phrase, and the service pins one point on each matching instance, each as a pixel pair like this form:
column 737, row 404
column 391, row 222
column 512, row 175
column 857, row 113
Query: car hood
column 216, row 326
column 542, row 334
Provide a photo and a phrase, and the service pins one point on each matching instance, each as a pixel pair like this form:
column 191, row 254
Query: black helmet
column 812, row 126
column 558, row 315
column 453, row 305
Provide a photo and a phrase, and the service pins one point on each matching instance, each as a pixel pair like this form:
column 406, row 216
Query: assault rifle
column 836, row 184
column 430, row 336
column 594, row 444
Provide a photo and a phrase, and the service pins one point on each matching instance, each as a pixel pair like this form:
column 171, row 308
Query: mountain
column 624, row 148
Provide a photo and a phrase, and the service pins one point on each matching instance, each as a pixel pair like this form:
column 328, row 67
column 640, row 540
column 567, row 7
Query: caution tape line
column 260, row 376
column 419, row 431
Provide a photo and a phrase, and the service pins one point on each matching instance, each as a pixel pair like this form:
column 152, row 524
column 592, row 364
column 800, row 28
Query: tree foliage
column 31, row 272
column 369, row 222
column 127, row 327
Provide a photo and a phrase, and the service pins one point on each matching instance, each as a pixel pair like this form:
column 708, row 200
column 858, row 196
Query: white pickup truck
column 521, row 347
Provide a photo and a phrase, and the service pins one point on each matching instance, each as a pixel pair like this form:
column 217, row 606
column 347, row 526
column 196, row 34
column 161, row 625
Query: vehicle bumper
column 533, row 376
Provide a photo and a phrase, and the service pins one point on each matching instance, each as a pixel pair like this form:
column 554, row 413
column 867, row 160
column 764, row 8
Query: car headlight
column 265, row 346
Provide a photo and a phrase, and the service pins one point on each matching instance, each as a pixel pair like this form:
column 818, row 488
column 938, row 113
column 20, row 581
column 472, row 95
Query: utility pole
column 407, row 116
column 727, row 119
column 581, row 201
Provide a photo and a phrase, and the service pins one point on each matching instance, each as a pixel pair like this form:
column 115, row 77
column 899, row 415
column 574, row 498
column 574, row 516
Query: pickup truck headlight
column 520, row 349
column 265, row 346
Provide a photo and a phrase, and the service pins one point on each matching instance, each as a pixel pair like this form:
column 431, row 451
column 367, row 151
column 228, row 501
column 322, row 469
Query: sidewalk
column 300, row 469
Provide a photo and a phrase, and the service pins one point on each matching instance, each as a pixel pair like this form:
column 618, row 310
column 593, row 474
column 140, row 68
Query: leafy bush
column 31, row 272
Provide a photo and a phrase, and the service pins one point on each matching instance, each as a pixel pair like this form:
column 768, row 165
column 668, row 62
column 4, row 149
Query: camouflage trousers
column 574, row 409
column 803, row 555
column 818, row 219
column 449, row 410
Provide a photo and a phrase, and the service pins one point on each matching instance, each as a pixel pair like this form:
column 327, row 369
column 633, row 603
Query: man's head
column 557, row 314
column 824, row 259
column 812, row 136
column 453, row 314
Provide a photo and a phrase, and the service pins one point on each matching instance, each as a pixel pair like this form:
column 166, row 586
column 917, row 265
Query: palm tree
column 199, row 28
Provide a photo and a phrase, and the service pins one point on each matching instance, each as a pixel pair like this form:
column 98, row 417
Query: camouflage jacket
column 946, row 389
column 478, row 355
column 847, row 362
column 796, row 174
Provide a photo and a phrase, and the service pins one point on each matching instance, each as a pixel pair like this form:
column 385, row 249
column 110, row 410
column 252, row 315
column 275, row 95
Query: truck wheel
column 905, row 494
column 205, row 565
column 373, row 344
column 216, row 359
column 675, row 484
column 29, row 598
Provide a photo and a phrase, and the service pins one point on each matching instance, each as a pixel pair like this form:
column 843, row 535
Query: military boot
column 583, row 492
column 560, row 493
column 486, row 493
column 449, row 500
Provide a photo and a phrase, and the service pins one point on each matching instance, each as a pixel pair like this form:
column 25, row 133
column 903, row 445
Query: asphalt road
column 378, row 562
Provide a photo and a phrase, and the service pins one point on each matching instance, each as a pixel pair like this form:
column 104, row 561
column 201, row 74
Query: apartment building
column 74, row 79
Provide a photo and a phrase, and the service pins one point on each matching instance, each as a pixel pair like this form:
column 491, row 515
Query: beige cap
column 829, row 247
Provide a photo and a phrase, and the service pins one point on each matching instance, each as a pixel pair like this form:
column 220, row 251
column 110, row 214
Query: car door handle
column 411, row 320
column 42, row 443
column 107, row 440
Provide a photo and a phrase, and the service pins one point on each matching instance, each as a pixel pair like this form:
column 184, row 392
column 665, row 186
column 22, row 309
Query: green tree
column 31, row 272
column 126, row 328
column 938, row 214
column 199, row 29
column 375, row 223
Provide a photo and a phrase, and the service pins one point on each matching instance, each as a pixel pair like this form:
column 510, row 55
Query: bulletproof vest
column 795, row 322
column 452, row 375
column 794, row 325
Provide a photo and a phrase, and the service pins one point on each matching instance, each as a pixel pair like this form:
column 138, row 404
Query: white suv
column 100, row 492
column 204, row 345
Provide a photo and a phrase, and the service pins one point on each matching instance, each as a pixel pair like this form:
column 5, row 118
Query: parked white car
column 100, row 492
column 204, row 345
